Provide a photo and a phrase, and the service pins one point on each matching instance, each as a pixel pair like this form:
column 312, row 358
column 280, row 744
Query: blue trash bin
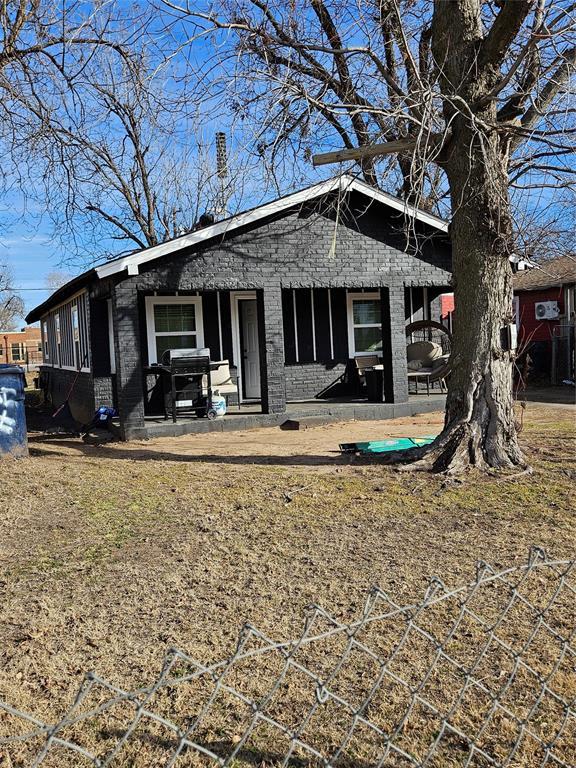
column 13, row 438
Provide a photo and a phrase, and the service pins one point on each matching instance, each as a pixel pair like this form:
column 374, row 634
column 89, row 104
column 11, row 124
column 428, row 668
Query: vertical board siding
column 66, row 357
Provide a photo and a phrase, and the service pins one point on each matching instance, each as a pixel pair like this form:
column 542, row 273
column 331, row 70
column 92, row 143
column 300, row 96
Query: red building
column 22, row 347
column 544, row 305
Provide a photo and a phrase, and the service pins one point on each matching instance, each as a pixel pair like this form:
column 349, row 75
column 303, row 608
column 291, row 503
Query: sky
column 30, row 258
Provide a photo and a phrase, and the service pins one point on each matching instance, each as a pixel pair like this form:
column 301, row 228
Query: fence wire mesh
column 483, row 675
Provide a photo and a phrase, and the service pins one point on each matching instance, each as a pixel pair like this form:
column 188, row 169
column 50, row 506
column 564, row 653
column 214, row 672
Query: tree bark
column 479, row 426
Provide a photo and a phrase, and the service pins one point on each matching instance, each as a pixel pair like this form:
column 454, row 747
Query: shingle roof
column 548, row 274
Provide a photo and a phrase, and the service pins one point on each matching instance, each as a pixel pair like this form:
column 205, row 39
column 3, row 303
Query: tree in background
column 468, row 94
column 102, row 134
column 11, row 304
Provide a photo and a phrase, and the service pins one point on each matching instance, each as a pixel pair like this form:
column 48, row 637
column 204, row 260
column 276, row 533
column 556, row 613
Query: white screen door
column 250, row 348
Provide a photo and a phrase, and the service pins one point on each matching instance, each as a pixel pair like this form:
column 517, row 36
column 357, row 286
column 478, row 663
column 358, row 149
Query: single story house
column 289, row 292
column 545, row 310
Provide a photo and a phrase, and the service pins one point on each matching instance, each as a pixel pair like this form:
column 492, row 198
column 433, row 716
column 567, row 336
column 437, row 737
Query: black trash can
column 375, row 384
column 13, row 437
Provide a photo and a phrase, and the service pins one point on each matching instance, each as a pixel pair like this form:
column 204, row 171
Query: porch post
column 271, row 338
column 128, row 355
column 394, row 344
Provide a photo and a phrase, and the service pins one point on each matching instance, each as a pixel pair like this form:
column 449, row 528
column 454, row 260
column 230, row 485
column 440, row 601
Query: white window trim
column 58, row 340
column 151, row 331
column 350, row 298
column 45, row 345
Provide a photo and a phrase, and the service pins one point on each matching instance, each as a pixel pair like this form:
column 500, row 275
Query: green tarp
column 384, row 446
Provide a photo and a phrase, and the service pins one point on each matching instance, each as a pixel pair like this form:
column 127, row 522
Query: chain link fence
column 483, row 675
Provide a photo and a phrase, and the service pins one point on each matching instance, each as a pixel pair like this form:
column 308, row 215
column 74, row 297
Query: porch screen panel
column 340, row 324
column 322, row 324
column 226, row 318
column 304, row 320
column 289, row 330
column 211, row 329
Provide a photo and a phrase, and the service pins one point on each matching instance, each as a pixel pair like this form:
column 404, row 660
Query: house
column 288, row 292
column 23, row 347
column 545, row 308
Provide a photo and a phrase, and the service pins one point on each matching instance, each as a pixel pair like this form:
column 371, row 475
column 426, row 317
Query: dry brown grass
column 109, row 555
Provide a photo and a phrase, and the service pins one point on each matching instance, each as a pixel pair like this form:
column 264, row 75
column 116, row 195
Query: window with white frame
column 173, row 322
column 45, row 341
column 364, row 324
column 58, row 338
column 76, row 336
column 17, row 350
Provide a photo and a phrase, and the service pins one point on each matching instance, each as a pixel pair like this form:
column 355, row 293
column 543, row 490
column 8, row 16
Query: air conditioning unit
column 546, row 310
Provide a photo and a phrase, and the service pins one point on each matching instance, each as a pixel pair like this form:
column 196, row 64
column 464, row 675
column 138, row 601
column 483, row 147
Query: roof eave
column 60, row 295
column 222, row 228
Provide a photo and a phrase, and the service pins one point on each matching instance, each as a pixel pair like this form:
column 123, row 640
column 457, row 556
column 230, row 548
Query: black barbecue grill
column 182, row 372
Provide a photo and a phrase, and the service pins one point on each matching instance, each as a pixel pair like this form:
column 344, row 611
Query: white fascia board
column 222, row 228
column 399, row 205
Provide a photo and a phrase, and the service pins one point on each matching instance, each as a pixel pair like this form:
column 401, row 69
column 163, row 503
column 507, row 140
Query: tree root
column 460, row 447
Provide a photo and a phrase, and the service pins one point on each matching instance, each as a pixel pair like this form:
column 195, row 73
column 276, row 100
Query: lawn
column 110, row 555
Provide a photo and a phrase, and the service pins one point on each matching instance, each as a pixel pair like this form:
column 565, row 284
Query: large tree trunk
column 479, row 427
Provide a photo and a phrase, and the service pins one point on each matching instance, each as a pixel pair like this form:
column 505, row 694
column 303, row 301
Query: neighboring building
column 545, row 307
column 22, row 347
column 288, row 292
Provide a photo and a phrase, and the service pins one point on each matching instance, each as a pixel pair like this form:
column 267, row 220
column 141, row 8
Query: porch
column 307, row 412
column 283, row 348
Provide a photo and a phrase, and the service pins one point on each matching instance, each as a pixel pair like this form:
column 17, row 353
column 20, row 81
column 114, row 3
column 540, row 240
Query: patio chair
column 428, row 353
column 222, row 383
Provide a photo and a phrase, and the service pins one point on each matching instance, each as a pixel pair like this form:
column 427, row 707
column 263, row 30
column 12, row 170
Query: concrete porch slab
column 318, row 412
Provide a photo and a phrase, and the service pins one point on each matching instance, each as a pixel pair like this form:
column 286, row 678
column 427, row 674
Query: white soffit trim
column 221, row 228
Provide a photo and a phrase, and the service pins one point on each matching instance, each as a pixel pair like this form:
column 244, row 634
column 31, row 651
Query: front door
column 250, row 348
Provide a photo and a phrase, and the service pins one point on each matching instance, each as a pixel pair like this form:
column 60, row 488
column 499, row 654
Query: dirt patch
column 111, row 554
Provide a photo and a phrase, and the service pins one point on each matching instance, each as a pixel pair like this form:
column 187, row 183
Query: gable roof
column 548, row 274
column 344, row 183
column 131, row 263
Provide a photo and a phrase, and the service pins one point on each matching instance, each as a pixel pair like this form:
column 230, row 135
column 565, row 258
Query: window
column 1, row 350
column 364, row 324
column 39, row 346
column 173, row 322
column 58, row 337
column 17, row 351
column 45, row 341
column 76, row 337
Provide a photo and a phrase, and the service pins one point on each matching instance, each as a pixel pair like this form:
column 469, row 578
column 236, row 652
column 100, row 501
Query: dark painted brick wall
column 81, row 394
column 295, row 251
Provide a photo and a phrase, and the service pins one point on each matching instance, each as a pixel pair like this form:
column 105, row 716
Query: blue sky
column 31, row 256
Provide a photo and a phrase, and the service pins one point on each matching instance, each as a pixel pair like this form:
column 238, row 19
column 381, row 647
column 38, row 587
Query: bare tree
column 467, row 93
column 56, row 279
column 11, row 304
column 112, row 147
